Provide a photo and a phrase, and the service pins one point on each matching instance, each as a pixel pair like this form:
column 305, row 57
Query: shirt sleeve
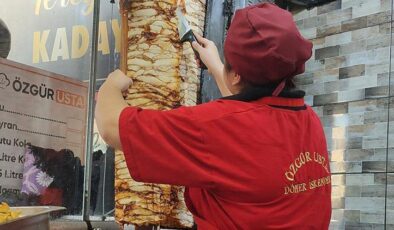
column 165, row 147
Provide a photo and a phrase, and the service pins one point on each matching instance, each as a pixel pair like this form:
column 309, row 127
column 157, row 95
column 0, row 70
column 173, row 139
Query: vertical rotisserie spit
column 166, row 76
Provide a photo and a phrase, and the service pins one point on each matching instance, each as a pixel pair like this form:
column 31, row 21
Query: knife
column 186, row 34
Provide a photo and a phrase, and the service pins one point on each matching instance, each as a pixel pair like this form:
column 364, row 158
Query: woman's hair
column 246, row 84
column 251, row 92
column 227, row 66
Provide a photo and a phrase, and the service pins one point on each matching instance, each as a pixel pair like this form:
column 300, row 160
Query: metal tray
column 31, row 218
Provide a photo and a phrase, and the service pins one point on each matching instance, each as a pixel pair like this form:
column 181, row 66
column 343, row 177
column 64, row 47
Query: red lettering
column 70, row 99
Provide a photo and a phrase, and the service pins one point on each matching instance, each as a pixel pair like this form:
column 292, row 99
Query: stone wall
column 348, row 84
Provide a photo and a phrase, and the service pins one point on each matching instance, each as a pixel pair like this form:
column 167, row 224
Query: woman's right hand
column 209, row 54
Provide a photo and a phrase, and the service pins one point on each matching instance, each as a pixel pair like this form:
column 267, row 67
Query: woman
column 256, row 159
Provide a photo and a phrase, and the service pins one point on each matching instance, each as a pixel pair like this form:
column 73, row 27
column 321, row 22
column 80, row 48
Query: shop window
column 43, row 158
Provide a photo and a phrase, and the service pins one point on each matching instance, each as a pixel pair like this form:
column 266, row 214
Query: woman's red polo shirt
column 246, row 165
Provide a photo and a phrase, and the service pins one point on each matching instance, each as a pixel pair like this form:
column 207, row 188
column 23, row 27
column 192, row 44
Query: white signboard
column 41, row 108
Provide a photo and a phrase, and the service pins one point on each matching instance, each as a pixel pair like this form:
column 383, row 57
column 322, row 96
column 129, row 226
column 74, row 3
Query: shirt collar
column 258, row 93
column 281, row 101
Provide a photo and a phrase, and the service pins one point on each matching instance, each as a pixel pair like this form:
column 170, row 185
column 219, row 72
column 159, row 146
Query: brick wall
column 348, row 84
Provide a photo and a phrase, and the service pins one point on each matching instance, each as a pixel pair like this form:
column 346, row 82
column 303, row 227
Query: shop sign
column 56, row 35
column 39, row 108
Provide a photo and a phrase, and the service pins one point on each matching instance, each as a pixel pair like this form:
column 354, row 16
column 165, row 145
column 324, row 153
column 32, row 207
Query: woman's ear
column 236, row 79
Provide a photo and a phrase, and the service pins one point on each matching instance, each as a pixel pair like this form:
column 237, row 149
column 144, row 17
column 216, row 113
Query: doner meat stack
column 165, row 75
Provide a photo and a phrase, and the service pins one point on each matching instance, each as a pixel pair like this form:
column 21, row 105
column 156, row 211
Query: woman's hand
column 119, row 80
column 110, row 103
column 209, row 54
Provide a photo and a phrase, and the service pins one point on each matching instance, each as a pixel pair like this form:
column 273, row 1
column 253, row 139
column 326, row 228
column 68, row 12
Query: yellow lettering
column 292, row 168
column 117, row 34
column 75, row 2
column 319, row 182
column 38, row 7
column 60, row 46
column 326, row 168
column 289, row 176
column 303, row 187
column 307, row 155
column 293, row 171
column 312, row 184
column 80, row 41
column 89, row 8
column 39, row 46
column 287, row 190
column 315, row 157
column 297, row 188
column 47, row 7
column 323, row 160
column 297, row 164
column 103, row 44
column 64, row 3
column 302, row 158
column 50, row 4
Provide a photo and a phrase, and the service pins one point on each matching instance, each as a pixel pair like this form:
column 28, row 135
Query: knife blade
column 186, row 34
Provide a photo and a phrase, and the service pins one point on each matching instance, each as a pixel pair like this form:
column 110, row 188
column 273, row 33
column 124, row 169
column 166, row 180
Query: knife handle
column 192, row 38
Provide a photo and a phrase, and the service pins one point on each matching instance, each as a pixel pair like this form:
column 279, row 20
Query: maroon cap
column 263, row 45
